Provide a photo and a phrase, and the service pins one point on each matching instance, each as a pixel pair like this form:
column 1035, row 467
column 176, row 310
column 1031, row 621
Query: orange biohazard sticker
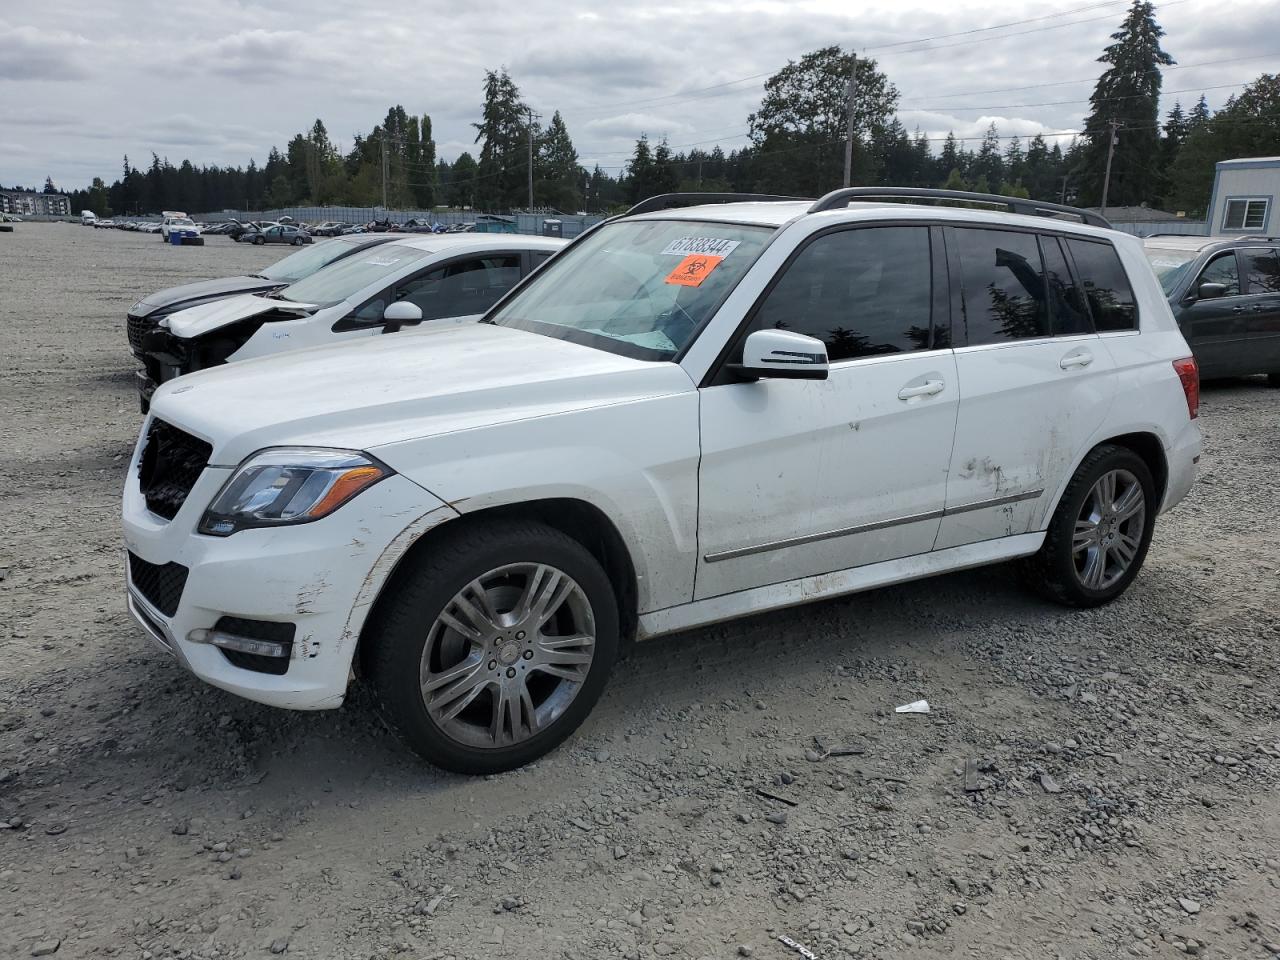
column 692, row 270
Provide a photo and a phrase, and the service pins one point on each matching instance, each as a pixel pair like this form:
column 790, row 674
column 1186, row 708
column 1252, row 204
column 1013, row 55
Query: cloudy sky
column 83, row 82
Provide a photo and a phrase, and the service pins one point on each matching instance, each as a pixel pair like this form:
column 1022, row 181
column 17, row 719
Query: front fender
column 636, row 461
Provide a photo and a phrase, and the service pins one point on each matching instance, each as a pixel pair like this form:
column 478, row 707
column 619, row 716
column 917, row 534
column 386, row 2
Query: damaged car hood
column 397, row 387
column 177, row 298
column 210, row 316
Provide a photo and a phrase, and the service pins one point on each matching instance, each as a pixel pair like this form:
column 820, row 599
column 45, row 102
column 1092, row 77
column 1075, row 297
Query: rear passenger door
column 1262, row 309
column 1035, row 379
column 804, row 477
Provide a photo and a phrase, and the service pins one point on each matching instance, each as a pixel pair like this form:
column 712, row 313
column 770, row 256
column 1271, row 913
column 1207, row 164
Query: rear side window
column 1066, row 299
column 1263, row 268
column 1005, row 295
column 1106, row 285
column 863, row 292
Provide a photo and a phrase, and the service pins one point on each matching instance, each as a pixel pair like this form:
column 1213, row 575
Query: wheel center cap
column 509, row 653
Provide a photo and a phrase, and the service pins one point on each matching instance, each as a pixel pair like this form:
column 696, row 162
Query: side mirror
column 781, row 354
column 1211, row 291
column 400, row 313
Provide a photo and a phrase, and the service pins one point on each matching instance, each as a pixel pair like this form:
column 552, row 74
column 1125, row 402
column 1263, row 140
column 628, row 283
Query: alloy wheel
column 507, row 655
column 1108, row 531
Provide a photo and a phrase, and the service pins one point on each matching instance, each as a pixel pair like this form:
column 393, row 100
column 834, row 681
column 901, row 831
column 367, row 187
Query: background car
column 182, row 225
column 1225, row 294
column 327, row 228
column 405, row 282
column 147, row 314
column 276, row 233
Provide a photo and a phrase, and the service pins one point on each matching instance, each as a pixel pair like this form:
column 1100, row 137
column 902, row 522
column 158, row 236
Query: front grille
column 160, row 584
column 171, row 463
column 139, row 327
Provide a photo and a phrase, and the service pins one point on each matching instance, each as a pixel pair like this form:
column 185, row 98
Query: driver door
column 805, row 477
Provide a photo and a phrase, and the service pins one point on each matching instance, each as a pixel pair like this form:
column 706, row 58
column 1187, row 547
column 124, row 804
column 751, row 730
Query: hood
column 390, row 388
column 196, row 321
column 179, row 298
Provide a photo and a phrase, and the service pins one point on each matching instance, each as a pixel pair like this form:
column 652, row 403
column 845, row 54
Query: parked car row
column 686, row 415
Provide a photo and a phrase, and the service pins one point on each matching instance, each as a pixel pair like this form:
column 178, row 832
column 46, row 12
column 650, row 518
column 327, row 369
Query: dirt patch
column 1088, row 784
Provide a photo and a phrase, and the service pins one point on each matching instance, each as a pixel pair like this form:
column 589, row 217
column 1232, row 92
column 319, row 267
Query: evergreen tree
column 987, row 172
column 503, row 137
column 641, row 172
column 557, row 171
column 1128, row 92
column 1248, row 125
column 462, row 181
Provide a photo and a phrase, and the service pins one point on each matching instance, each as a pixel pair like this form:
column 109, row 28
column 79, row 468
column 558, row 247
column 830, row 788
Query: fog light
column 231, row 641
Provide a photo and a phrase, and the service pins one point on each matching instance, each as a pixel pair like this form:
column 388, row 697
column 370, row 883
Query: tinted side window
column 1066, row 299
column 1222, row 269
column 862, row 292
column 463, row 288
column 1263, row 269
column 1106, row 285
column 1005, row 295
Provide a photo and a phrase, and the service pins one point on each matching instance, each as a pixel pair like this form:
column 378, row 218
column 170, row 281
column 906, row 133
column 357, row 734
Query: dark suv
column 1225, row 294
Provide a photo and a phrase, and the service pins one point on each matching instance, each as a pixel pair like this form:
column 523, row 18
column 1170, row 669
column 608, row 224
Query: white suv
column 181, row 224
column 687, row 416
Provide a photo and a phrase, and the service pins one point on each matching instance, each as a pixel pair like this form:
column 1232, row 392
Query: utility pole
column 848, row 144
column 1106, row 177
column 1062, row 198
column 384, row 172
column 532, row 117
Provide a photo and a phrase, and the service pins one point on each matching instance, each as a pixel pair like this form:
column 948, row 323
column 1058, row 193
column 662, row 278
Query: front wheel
column 259, row 241
column 1099, row 535
column 493, row 647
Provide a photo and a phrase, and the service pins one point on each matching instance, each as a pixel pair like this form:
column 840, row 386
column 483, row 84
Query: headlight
column 286, row 485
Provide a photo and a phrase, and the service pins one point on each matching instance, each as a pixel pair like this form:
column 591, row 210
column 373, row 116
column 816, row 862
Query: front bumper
column 322, row 577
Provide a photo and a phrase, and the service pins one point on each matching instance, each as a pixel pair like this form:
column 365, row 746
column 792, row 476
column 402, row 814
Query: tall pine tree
column 1128, row 93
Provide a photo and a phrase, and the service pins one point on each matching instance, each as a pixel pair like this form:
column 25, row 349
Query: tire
column 298, row 241
column 1273, row 379
column 409, row 631
column 1062, row 568
column 259, row 241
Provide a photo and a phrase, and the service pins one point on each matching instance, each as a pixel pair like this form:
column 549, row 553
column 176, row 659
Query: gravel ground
column 1089, row 784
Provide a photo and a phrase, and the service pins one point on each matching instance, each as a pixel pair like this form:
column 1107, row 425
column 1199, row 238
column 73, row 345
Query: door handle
column 1081, row 359
column 927, row 389
column 1237, row 309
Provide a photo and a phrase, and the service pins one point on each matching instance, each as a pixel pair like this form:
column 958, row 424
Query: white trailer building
column 1244, row 196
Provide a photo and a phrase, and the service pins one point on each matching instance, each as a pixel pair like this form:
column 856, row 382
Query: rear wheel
column 1099, row 535
column 494, row 646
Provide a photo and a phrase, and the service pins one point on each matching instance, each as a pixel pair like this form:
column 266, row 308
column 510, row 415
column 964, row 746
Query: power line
column 1058, row 103
column 692, row 93
column 1060, row 83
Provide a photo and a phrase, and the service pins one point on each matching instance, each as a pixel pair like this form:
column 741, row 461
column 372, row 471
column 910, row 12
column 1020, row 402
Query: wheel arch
column 1146, row 444
column 578, row 519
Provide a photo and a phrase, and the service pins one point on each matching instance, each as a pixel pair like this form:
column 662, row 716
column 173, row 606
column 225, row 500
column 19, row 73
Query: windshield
column 1170, row 265
column 181, row 222
column 352, row 274
column 304, row 263
column 641, row 288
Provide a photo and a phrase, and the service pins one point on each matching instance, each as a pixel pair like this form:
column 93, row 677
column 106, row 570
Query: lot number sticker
column 712, row 246
column 692, row 270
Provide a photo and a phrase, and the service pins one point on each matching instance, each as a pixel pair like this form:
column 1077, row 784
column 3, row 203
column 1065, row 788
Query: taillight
column 1189, row 374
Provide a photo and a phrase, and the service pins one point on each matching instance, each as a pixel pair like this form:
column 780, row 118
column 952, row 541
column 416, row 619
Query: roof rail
column 665, row 201
column 1036, row 208
column 1256, row 236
